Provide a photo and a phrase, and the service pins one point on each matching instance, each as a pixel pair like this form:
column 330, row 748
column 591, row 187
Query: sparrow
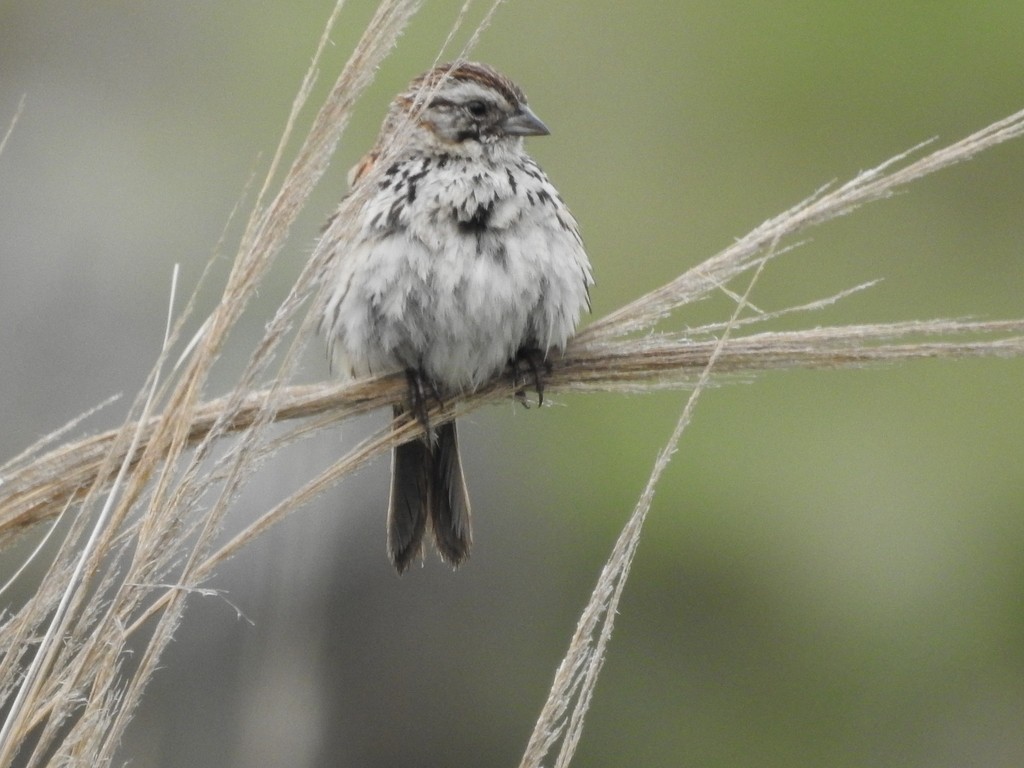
column 463, row 259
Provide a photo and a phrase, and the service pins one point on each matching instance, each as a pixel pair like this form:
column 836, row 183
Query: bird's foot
column 421, row 390
column 529, row 366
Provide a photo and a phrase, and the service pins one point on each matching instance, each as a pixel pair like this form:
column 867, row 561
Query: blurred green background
column 833, row 570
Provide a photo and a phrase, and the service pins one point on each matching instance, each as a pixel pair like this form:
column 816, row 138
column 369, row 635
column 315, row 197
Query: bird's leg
column 421, row 389
column 532, row 361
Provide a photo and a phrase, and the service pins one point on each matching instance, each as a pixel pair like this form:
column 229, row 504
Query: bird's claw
column 531, row 364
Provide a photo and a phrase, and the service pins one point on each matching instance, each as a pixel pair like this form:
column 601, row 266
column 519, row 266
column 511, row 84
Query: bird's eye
column 476, row 108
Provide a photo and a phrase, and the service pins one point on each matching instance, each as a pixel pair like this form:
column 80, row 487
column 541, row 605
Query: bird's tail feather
column 449, row 506
column 427, row 485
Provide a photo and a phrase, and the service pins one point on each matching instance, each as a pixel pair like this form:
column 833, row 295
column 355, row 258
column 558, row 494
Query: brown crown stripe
column 471, row 71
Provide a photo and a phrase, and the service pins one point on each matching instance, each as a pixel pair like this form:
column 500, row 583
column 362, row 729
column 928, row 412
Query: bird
column 460, row 258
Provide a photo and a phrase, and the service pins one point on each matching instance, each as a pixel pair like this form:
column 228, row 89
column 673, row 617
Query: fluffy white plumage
column 429, row 289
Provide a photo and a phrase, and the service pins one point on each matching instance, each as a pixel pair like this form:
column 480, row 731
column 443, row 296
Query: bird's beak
column 525, row 123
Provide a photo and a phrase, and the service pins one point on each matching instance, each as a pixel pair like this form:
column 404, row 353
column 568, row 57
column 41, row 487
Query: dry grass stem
column 149, row 499
column 14, row 121
column 36, row 487
column 561, row 719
